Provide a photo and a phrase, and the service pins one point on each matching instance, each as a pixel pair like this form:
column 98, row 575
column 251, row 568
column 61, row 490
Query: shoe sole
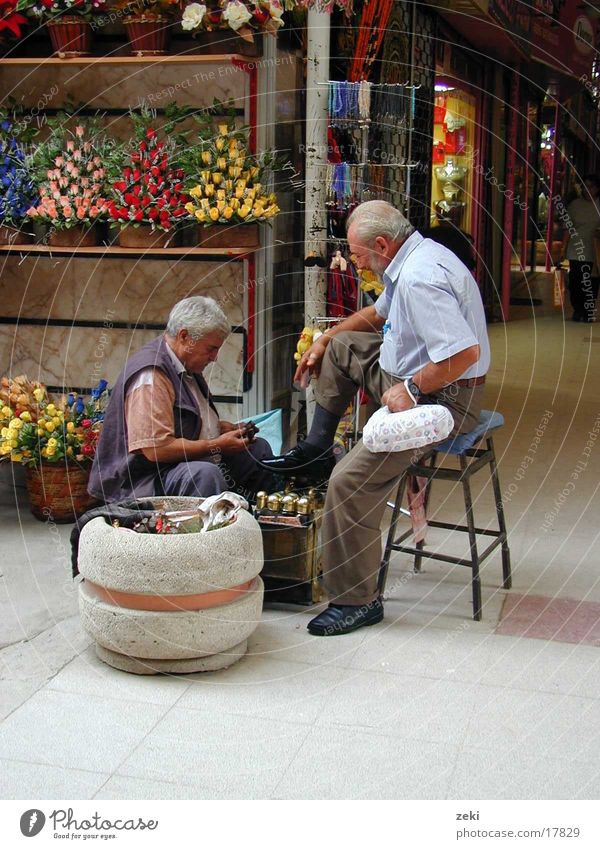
column 326, row 632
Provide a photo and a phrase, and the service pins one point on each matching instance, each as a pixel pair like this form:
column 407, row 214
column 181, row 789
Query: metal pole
column 315, row 221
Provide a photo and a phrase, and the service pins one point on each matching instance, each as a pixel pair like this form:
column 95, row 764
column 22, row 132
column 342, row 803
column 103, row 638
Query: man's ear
column 381, row 244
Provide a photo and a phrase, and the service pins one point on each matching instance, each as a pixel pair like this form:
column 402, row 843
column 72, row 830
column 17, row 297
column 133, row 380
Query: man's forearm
column 177, row 450
column 434, row 376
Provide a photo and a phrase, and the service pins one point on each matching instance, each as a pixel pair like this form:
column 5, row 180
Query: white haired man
column 162, row 434
column 434, row 349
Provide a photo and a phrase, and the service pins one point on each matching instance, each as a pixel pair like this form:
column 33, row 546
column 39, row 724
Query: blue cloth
column 434, row 310
column 270, row 425
column 488, row 420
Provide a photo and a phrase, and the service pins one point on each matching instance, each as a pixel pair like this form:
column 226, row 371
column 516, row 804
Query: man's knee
column 197, row 478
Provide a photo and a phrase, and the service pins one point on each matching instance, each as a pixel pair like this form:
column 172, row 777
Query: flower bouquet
column 241, row 19
column 67, row 21
column 17, row 190
column 147, row 197
column 71, row 184
column 148, row 24
column 228, row 189
column 56, row 443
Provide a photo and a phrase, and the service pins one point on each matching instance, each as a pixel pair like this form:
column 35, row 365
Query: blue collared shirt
column 433, row 309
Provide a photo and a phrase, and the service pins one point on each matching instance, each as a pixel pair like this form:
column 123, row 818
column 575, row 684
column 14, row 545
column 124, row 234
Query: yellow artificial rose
column 52, row 442
column 69, row 451
column 25, row 416
column 51, row 409
column 258, row 211
column 50, row 427
column 205, row 204
column 224, row 129
column 228, row 185
column 234, row 203
column 234, row 171
column 44, row 452
column 243, row 211
column 227, row 212
column 220, row 206
column 70, row 427
column 206, row 157
column 221, row 163
column 13, row 443
column 217, row 177
column 16, row 458
column 189, row 207
column 209, row 190
column 196, row 192
column 221, row 194
column 5, row 432
column 6, row 412
column 239, row 192
column 41, row 431
column 214, row 214
column 220, row 144
column 56, row 421
column 15, row 424
column 204, row 176
column 200, row 215
column 38, row 394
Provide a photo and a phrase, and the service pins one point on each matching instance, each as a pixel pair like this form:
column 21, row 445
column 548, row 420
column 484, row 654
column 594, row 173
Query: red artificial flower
column 139, row 215
column 135, row 157
column 127, row 173
column 146, row 200
column 160, row 203
column 88, row 450
column 136, row 174
column 152, row 188
column 146, row 164
column 143, row 147
column 86, row 423
column 120, row 186
column 153, row 214
column 150, row 133
column 155, row 171
column 137, row 189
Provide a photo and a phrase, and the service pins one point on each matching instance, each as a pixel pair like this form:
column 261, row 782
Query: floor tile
column 484, row 774
column 425, row 709
column 563, row 619
column 74, row 731
column 122, row 787
column 255, row 686
column 88, row 675
column 345, row 763
column 20, row 780
column 229, row 756
column 12, row 696
column 507, row 720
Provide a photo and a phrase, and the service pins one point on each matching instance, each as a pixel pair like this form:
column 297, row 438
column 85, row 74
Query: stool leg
column 420, row 545
column 475, row 580
column 383, row 569
column 506, row 572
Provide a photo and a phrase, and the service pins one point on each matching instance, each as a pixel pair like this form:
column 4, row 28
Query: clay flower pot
column 79, row 236
column 171, row 603
column 70, row 35
column 148, row 35
column 145, row 237
column 229, row 236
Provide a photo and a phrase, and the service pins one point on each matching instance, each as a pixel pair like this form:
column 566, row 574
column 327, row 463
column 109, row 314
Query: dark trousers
column 583, row 290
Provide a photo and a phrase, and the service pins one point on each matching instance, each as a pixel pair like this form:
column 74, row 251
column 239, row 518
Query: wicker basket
column 58, row 492
column 145, row 237
column 79, row 236
column 229, row 236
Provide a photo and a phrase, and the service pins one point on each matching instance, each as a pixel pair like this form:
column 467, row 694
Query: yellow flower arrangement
column 227, row 188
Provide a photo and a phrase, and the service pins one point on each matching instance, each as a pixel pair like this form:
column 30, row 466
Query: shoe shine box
column 292, row 558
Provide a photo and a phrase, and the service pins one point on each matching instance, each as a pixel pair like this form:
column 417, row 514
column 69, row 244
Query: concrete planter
column 174, row 603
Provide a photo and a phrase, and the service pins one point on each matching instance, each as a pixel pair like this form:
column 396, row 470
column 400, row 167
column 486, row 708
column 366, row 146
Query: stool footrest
column 448, row 558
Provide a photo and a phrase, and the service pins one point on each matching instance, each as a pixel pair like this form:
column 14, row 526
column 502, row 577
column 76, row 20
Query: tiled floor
column 429, row 704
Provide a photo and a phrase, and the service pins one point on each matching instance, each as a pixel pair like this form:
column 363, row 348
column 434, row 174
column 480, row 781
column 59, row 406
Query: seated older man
column 162, row 434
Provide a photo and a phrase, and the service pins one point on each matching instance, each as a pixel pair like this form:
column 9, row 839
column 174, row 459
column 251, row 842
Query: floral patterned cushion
column 408, row 429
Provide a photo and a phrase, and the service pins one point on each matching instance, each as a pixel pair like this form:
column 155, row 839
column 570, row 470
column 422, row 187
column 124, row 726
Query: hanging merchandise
column 342, row 289
column 439, row 109
column 372, row 28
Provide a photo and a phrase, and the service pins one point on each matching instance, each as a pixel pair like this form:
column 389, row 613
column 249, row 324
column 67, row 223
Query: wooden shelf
column 168, row 59
column 115, row 250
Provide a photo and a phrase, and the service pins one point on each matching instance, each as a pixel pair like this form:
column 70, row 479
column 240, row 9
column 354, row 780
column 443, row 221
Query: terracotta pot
column 229, row 236
column 70, row 36
column 222, row 42
column 79, row 236
column 13, row 236
column 145, row 237
column 58, row 492
column 148, row 34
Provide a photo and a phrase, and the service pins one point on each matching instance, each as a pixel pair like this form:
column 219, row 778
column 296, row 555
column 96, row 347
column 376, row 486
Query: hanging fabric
column 372, row 27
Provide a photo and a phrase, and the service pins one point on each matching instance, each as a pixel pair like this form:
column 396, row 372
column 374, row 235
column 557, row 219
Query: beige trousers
column 362, row 482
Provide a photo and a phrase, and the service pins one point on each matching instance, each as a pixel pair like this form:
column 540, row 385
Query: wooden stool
column 471, row 460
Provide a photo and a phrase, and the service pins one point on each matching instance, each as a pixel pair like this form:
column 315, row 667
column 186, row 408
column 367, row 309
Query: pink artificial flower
column 52, row 212
column 60, row 160
column 79, row 131
column 69, row 167
column 32, row 212
column 90, row 166
column 56, row 195
column 94, row 211
column 81, row 213
column 87, row 147
column 70, row 145
column 50, row 174
column 77, row 155
column 63, row 182
column 96, row 160
column 74, row 188
column 75, row 172
column 67, row 211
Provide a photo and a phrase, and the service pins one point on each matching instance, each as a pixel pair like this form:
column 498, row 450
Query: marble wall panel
column 124, row 290
column 80, row 357
column 101, row 86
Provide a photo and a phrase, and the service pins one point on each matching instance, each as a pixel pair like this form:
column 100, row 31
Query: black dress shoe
column 343, row 619
column 301, row 463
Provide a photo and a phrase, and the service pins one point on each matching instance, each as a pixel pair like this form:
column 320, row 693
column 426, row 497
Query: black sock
column 322, row 429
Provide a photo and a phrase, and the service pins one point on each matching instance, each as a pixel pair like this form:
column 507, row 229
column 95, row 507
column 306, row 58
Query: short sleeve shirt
column 433, row 310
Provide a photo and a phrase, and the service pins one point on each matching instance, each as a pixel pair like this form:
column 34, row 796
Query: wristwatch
column 413, row 390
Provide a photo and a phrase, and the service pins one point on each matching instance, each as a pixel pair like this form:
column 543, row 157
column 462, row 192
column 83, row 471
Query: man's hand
column 311, row 359
column 397, row 399
column 233, row 441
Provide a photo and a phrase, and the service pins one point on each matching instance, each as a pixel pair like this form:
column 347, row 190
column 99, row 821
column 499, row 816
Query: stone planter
column 229, row 236
column 12, row 236
column 79, row 236
column 145, row 237
column 173, row 603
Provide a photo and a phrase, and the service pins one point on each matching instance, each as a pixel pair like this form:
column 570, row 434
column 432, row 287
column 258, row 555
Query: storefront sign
column 562, row 35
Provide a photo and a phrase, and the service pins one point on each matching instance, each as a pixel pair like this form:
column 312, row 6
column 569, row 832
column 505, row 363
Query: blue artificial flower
column 70, row 399
column 97, row 392
column 79, row 406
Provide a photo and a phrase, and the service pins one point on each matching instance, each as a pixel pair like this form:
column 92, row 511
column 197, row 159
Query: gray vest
column 118, row 474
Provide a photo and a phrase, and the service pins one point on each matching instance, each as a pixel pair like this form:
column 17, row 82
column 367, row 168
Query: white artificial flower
column 236, row 14
column 276, row 10
column 192, row 16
